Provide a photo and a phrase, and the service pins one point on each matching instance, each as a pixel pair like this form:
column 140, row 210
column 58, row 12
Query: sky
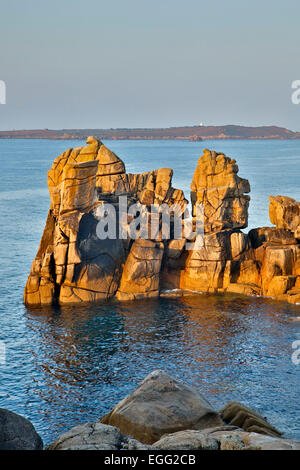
column 136, row 63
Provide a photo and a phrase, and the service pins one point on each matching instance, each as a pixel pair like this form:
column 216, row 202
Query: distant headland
column 191, row 133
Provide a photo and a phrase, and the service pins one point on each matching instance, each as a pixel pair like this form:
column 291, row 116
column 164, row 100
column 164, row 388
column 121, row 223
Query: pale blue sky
column 136, row 63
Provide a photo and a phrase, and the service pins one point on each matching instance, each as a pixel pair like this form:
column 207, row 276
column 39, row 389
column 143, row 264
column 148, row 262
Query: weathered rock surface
column 285, row 213
column 161, row 405
column 98, row 436
column 241, row 440
column 89, row 436
column 232, row 442
column 264, row 262
column 133, row 444
column 279, row 259
column 187, row 440
column 164, row 414
column 17, row 433
column 221, row 192
column 140, row 276
column 74, row 264
column 237, row 414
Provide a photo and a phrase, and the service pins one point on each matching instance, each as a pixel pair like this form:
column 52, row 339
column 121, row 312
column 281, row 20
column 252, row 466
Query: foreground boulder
column 17, row 433
column 98, row 436
column 90, row 436
column 237, row 414
column 241, row 440
column 187, row 440
column 161, row 405
column 164, row 414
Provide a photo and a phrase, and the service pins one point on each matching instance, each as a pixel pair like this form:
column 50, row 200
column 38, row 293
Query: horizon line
column 190, row 126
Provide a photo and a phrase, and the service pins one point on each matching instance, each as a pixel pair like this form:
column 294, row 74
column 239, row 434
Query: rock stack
column 264, row 262
column 221, row 192
column 277, row 250
column 74, row 265
column 225, row 250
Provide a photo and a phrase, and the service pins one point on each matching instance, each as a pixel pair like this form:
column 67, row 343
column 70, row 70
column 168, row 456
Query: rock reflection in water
column 85, row 359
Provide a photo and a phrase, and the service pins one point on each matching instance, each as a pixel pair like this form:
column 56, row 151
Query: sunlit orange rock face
column 74, row 265
column 221, row 192
column 285, row 213
column 265, row 261
column 226, row 252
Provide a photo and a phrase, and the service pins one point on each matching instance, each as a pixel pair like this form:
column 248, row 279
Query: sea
column 60, row 367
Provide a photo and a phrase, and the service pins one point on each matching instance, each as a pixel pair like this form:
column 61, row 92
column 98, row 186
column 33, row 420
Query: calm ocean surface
column 71, row 365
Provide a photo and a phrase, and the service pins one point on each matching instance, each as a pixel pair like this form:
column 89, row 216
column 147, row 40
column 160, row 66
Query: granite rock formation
column 89, row 436
column 237, row 414
column 98, row 436
column 162, row 405
column 17, row 433
column 165, row 414
column 187, row 440
column 74, row 264
column 285, row 214
column 264, row 262
column 221, row 192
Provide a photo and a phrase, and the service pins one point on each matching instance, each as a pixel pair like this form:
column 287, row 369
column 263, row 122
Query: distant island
column 191, row 133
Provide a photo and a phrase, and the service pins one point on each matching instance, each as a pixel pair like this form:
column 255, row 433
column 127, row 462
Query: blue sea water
column 66, row 366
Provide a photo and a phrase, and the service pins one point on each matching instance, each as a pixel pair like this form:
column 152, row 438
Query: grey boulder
column 89, row 436
column 17, row 433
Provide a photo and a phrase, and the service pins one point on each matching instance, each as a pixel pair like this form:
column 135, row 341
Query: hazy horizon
column 141, row 128
column 94, row 65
